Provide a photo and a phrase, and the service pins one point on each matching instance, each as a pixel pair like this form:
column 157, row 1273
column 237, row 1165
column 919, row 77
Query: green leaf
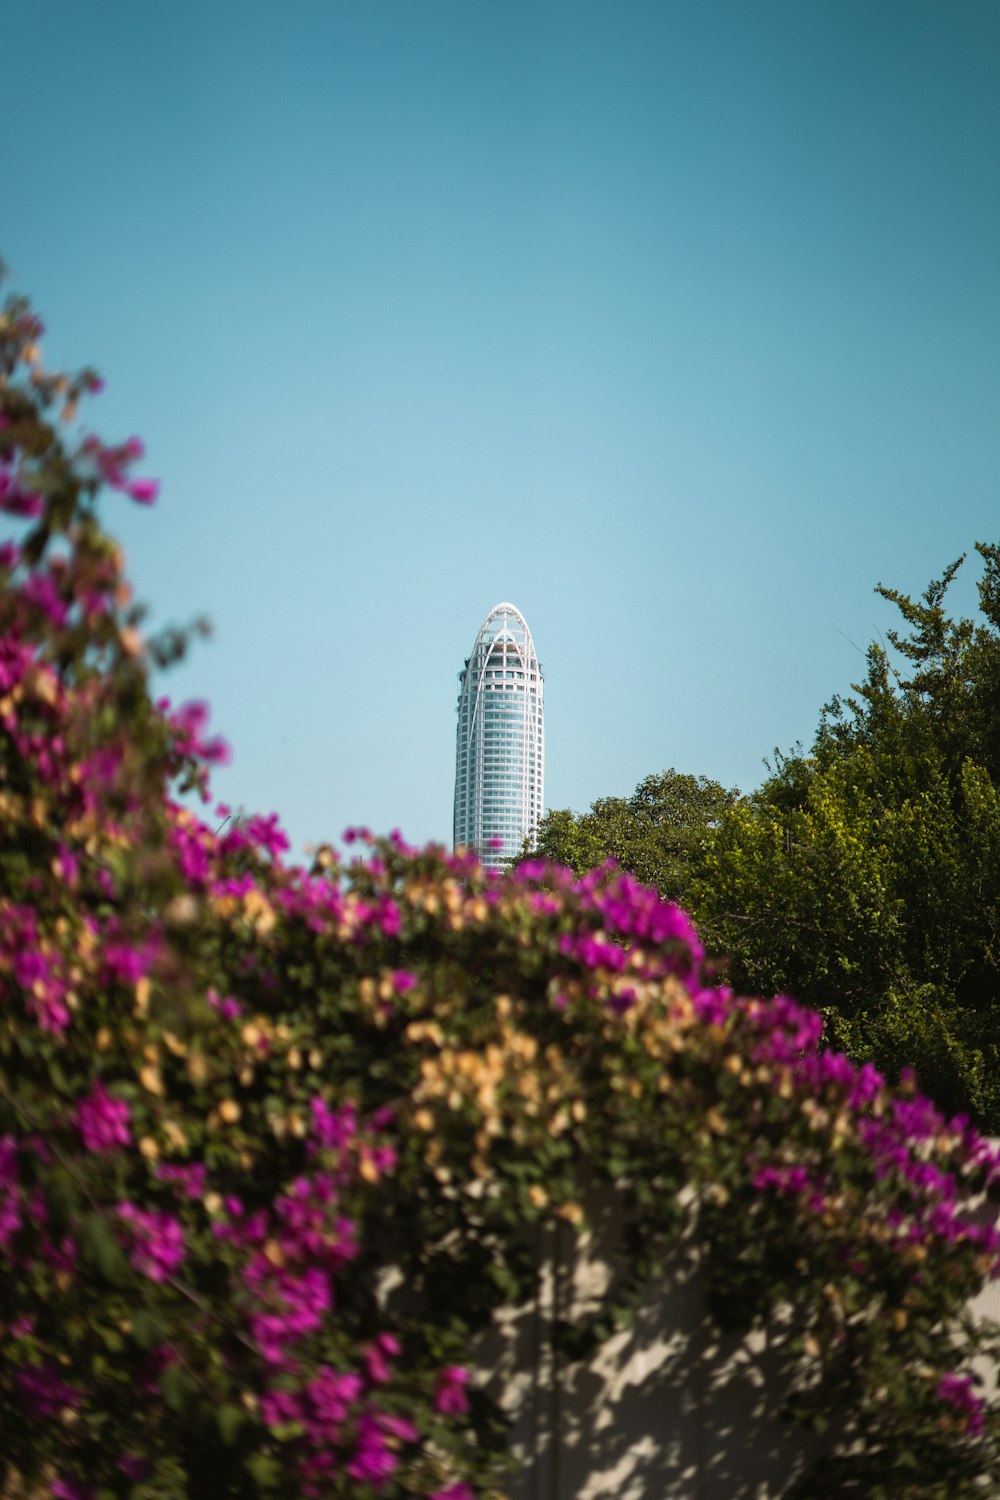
column 147, row 1329
column 230, row 1420
column 177, row 1387
column 101, row 1250
column 264, row 1470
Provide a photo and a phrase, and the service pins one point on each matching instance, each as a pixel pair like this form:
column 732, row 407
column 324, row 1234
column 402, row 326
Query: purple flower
column 10, row 1207
column 378, row 1355
column 266, row 834
column 450, row 1398
column 228, row 1008
column 332, row 1393
column 43, row 1391
column 781, row 1179
column 957, row 1391
column 373, row 1460
column 133, row 1467
column 41, row 591
column 334, row 1129
column 68, row 1489
column 125, row 962
column 157, row 1241
column 40, row 974
column 279, row 1407
column 387, row 917
column 302, row 1300
column 189, row 1178
column 397, row 1427
column 66, row 865
column 102, row 1121
column 192, row 844
column 17, row 501
column 144, row 491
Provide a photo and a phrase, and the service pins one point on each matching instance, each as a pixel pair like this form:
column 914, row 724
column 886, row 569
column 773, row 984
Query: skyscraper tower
column 499, row 762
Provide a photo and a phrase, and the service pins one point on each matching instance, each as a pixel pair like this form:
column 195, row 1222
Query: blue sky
column 676, row 324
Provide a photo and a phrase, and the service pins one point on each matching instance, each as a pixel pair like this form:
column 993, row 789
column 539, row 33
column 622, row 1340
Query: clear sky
column 678, row 325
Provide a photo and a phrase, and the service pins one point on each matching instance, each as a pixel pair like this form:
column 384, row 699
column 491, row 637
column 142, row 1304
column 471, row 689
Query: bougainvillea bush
column 271, row 1136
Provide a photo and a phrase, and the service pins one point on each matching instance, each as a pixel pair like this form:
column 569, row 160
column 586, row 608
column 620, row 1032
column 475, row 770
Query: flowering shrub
column 269, row 1134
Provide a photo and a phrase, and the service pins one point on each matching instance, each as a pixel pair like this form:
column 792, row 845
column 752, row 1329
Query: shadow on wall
column 668, row 1410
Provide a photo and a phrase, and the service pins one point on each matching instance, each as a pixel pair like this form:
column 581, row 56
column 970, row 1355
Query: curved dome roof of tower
column 506, row 622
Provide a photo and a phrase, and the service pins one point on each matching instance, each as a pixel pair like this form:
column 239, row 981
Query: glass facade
column 499, row 761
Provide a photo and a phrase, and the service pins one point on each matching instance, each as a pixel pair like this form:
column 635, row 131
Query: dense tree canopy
column 863, row 877
column 661, row 834
column 270, row 1136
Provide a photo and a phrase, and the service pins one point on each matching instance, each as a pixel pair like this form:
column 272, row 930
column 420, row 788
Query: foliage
column 865, row 877
column 660, row 834
column 270, row 1136
column 862, row 877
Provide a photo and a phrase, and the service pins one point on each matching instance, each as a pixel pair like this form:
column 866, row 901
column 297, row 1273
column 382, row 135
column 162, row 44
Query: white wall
column 666, row 1410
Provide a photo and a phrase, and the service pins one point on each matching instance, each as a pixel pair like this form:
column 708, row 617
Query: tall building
column 500, row 760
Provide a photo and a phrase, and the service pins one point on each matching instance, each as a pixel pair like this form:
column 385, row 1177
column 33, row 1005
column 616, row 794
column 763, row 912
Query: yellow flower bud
column 571, row 1212
column 150, row 1079
column 197, row 1067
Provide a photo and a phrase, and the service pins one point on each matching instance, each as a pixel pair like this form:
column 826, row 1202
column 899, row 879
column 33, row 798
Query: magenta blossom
column 378, row 1357
column 43, row 1391
column 102, row 1121
column 69, row 1489
column 144, row 491
column 10, row 1207
column 228, row 1008
column 958, row 1392
column 133, row 1467
column 450, row 1398
column 157, row 1241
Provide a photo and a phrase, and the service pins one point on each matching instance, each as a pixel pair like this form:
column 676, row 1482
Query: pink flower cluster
column 958, row 1392
column 188, row 724
column 188, row 1178
column 345, row 1431
column 112, row 466
column 291, row 1253
column 450, row 1397
column 10, row 1196
column 156, row 1241
column 38, row 968
column 103, row 1122
column 44, row 1392
column 16, row 497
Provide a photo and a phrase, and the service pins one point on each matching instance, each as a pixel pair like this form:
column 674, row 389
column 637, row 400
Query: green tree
column 660, row 834
column 864, row 877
